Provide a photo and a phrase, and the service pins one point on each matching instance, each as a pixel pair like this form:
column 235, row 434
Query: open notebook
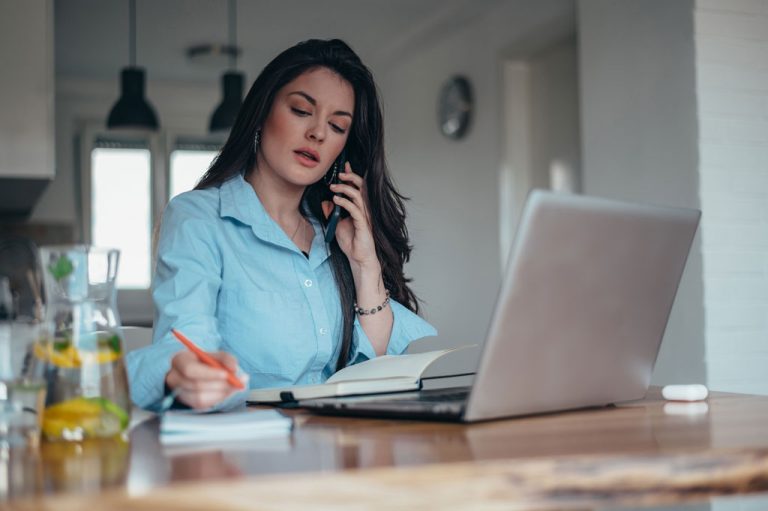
column 385, row 374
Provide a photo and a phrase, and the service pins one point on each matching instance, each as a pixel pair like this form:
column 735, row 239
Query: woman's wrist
column 366, row 272
column 369, row 285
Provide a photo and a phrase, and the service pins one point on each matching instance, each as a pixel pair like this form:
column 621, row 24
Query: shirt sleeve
column 185, row 288
column 406, row 327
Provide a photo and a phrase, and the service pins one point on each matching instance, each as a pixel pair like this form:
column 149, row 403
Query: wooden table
column 637, row 454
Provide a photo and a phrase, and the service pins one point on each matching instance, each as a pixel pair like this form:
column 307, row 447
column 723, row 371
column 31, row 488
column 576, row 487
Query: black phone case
column 338, row 212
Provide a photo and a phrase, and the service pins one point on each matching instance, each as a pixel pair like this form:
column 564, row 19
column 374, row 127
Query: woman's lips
column 305, row 160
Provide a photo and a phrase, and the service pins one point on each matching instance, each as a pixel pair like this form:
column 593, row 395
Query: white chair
column 136, row 337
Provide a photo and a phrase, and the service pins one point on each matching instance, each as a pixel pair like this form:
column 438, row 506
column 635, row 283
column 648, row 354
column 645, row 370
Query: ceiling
column 92, row 35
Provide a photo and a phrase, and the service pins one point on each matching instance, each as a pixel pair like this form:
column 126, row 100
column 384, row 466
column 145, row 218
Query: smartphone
column 338, row 212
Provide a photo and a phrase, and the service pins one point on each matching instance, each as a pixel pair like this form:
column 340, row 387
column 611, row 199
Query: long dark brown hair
column 364, row 150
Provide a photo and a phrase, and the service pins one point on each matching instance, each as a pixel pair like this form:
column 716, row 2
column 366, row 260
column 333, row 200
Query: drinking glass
column 22, row 388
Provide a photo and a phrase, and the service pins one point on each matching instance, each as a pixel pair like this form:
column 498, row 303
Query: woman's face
column 307, row 127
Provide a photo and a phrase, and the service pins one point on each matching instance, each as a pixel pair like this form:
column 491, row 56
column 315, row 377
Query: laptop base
column 444, row 405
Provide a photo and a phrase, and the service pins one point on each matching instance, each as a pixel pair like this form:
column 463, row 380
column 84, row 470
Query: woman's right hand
column 199, row 385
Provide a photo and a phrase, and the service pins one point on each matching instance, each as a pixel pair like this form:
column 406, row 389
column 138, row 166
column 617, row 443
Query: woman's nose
column 316, row 132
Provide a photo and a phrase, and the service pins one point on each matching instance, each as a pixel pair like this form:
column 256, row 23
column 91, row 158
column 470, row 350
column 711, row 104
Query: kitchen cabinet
column 26, row 102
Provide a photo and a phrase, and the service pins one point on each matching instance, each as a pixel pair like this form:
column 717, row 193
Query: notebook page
column 389, row 366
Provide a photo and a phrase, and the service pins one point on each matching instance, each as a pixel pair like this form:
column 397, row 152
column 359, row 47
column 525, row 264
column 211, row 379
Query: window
column 126, row 181
column 189, row 161
column 121, row 208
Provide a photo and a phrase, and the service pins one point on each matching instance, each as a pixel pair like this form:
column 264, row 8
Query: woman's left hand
column 353, row 233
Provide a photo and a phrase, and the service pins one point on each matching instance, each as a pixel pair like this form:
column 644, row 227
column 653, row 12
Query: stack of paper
column 186, row 427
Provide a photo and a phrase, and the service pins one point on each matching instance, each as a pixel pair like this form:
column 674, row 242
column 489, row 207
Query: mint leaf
column 114, row 343
column 60, row 345
column 62, row 268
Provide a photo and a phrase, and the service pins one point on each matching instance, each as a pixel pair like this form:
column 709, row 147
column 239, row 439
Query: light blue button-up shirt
column 229, row 278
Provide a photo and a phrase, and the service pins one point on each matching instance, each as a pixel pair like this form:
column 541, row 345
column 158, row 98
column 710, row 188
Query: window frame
column 135, row 306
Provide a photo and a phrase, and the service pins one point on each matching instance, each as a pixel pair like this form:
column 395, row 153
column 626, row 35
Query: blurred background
column 659, row 101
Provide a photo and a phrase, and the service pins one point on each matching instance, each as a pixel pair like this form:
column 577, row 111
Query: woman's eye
column 299, row 112
column 338, row 129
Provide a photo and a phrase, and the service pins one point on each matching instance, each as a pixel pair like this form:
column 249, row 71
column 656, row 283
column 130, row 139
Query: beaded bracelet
column 364, row 312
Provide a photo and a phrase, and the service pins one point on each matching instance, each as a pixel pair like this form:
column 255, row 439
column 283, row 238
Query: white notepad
column 189, row 427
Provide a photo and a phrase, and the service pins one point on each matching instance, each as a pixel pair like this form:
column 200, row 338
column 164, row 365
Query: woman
column 243, row 268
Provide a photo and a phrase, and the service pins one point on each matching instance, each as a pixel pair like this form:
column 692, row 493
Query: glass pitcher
column 81, row 350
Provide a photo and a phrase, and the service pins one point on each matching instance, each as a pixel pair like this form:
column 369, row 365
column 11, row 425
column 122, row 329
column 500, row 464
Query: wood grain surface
column 643, row 453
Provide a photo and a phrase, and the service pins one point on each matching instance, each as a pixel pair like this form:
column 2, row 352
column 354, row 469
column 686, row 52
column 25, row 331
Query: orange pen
column 205, row 358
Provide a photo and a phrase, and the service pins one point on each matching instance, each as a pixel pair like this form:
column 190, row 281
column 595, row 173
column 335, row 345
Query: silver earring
column 257, row 140
column 330, row 176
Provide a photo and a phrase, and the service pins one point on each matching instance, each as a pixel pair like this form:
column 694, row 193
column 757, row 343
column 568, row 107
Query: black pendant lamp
column 132, row 110
column 232, row 82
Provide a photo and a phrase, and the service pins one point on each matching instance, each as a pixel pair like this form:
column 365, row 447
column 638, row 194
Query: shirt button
column 323, row 331
column 308, row 283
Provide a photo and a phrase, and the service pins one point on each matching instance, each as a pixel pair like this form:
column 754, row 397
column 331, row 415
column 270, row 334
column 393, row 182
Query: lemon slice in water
column 79, row 418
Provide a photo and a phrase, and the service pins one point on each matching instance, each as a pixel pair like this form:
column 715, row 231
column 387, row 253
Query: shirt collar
column 238, row 200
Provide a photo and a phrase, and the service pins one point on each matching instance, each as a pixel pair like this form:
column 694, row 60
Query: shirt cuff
column 406, row 327
column 147, row 368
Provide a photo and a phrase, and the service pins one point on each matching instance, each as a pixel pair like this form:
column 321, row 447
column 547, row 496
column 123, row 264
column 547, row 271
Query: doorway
column 541, row 125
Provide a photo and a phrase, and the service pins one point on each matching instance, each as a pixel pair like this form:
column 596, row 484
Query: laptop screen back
column 583, row 305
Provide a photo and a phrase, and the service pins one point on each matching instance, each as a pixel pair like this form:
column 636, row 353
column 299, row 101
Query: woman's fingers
column 202, row 399
column 203, row 394
column 191, row 368
column 354, row 181
column 351, row 192
column 202, row 372
column 191, row 384
column 200, row 385
column 351, row 177
column 355, row 207
column 229, row 361
column 354, row 211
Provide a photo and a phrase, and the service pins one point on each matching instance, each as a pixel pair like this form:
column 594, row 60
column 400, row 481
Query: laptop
column 579, row 318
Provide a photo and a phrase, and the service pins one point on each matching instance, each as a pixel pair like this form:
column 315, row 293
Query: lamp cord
column 233, row 34
column 132, row 35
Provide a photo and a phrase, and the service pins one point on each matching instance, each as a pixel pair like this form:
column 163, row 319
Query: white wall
column 640, row 138
column 555, row 120
column 732, row 75
column 454, row 214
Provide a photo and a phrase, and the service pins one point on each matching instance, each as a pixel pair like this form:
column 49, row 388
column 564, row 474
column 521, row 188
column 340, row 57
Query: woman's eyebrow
column 313, row 102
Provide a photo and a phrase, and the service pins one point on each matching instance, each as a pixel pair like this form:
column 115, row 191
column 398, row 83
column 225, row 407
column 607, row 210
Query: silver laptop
column 579, row 318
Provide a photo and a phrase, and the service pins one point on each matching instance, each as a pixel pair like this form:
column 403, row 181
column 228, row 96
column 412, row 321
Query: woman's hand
column 355, row 237
column 353, row 233
column 199, row 385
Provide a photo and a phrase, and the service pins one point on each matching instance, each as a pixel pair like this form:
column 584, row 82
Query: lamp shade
column 223, row 117
column 132, row 109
